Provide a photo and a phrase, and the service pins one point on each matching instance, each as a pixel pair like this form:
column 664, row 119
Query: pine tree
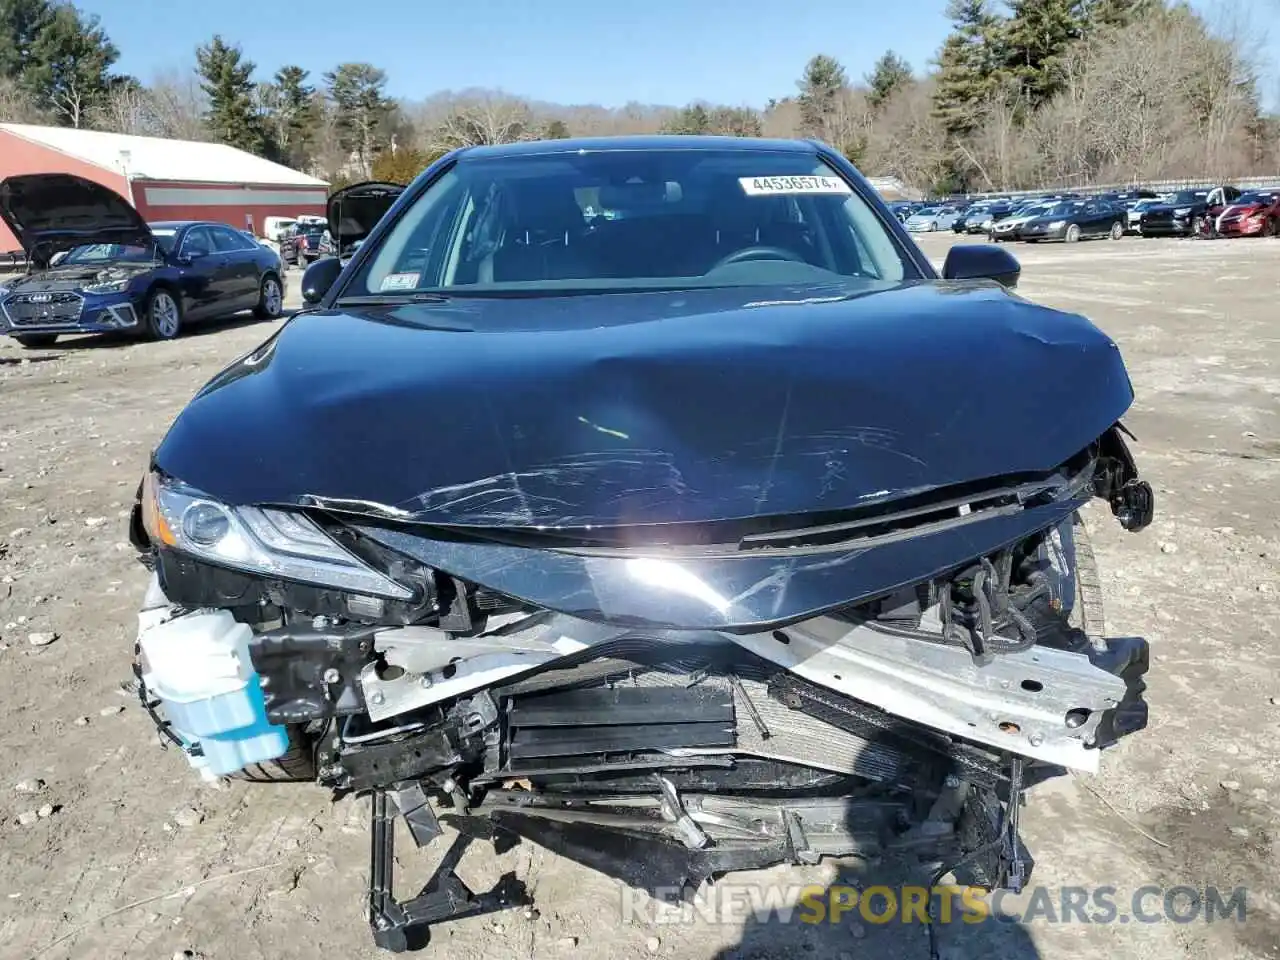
column 820, row 88
column 56, row 56
column 1035, row 37
column 226, row 77
column 968, row 65
column 889, row 74
column 1118, row 14
column 693, row 120
column 294, row 116
column 20, row 24
column 555, row 130
column 362, row 109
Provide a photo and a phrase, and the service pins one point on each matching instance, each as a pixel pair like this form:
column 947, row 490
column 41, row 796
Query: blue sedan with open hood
column 653, row 499
column 95, row 266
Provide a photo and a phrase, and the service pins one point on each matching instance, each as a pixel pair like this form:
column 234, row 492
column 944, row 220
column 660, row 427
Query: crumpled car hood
column 659, row 407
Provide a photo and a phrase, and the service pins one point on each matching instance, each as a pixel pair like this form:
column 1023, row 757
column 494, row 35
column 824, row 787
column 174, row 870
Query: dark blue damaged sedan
column 97, row 267
column 657, row 501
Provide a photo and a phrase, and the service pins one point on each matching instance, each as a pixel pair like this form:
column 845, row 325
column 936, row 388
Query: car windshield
column 1189, row 196
column 1063, row 209
column 558, row 223
column 109, row 253
column 1255, row 198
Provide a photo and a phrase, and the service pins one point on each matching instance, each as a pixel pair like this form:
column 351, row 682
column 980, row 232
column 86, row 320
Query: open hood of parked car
column 49, row 212
column 589, row 411
column 355, row 210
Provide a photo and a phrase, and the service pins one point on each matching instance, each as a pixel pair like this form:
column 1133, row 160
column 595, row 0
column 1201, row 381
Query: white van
column 273, row 228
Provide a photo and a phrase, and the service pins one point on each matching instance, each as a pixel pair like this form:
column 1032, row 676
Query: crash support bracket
column 399, row 926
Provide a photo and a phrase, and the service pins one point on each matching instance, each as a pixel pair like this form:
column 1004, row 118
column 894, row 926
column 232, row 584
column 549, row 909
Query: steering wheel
column 757, row 252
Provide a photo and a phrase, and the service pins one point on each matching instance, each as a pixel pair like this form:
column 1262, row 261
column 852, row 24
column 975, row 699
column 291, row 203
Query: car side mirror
column 319, row 277
column 982, row 262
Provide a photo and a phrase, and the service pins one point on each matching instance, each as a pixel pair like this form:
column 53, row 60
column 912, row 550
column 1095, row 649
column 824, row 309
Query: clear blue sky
column 570, row 51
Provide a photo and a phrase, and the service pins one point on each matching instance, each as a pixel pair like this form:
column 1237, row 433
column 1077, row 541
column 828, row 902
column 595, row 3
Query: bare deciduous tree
column 178, row 106
column 127, row 108
column 484, row 117
column 16, row 105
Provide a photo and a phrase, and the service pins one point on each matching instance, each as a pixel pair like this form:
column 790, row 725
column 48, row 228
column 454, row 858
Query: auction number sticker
column 765, row 186
column 399, row 281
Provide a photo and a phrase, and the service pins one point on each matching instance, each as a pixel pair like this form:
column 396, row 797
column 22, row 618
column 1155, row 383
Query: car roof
column 645, row 142
column 179, row 224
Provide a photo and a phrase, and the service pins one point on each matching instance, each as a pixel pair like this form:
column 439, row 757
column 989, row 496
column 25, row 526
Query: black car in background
column 1072, row 220
column 976, row 212
column 1127, row 198
column 993, row 213
column 902, row 209
column 95, row 266
column 1184, row 212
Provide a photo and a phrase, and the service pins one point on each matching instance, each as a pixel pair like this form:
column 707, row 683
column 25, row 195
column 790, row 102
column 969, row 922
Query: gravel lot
column 135, row 858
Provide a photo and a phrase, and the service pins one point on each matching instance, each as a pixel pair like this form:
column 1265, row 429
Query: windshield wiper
column 390, row 299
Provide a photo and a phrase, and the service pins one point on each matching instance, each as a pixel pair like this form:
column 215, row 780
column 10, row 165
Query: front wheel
column 1197, row 226
column 1073, row 233
column 164, row 315
column 270, row 299
column 1269, row 227
column 1117, row 231
column 35, row 341
column 296, row 764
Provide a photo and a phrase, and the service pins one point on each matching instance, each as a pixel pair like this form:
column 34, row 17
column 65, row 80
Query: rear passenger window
column 228, row 241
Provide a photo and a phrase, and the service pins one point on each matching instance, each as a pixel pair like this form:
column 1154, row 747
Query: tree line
column 1022, row 93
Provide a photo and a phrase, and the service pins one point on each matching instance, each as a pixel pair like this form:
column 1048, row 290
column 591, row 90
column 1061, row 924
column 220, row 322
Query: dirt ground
column 138, row 859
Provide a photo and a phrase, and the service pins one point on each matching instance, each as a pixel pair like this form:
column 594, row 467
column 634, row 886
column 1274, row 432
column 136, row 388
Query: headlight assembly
column 1182, row 211
column 1057, row 224
column 263, row 541
column 107, row 283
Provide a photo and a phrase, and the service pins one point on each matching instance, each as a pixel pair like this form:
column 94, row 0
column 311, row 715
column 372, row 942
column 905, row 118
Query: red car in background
column 1254, row 214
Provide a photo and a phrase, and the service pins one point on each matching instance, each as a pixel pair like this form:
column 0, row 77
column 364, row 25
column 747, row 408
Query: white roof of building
column 156, row 158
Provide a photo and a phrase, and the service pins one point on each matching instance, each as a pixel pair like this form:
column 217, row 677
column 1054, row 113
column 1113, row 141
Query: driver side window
column 197, row 242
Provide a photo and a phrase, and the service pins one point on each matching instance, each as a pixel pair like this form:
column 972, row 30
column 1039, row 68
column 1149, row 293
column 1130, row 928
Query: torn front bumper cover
column 666, row 758
column 676, row 761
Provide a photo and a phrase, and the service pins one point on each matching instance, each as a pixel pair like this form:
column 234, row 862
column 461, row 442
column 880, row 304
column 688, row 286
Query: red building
column 164, row 179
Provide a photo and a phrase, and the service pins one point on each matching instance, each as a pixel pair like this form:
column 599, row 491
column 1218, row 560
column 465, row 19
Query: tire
column 1117, row 230
column 270, row 298
column 295, row 765
column 1072, row 234
column 36, row 341
column 1197, row 225
column 163, row 320
column 1269, row 228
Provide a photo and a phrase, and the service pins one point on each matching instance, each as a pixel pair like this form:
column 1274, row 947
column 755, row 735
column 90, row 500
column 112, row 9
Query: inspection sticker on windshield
column 399, row 281
column 765, row 186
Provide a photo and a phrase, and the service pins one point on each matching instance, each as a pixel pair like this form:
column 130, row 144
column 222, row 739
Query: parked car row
column 1222, row 211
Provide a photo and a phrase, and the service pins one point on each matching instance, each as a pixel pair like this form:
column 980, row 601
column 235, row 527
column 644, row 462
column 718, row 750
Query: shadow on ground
column 878, row 933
